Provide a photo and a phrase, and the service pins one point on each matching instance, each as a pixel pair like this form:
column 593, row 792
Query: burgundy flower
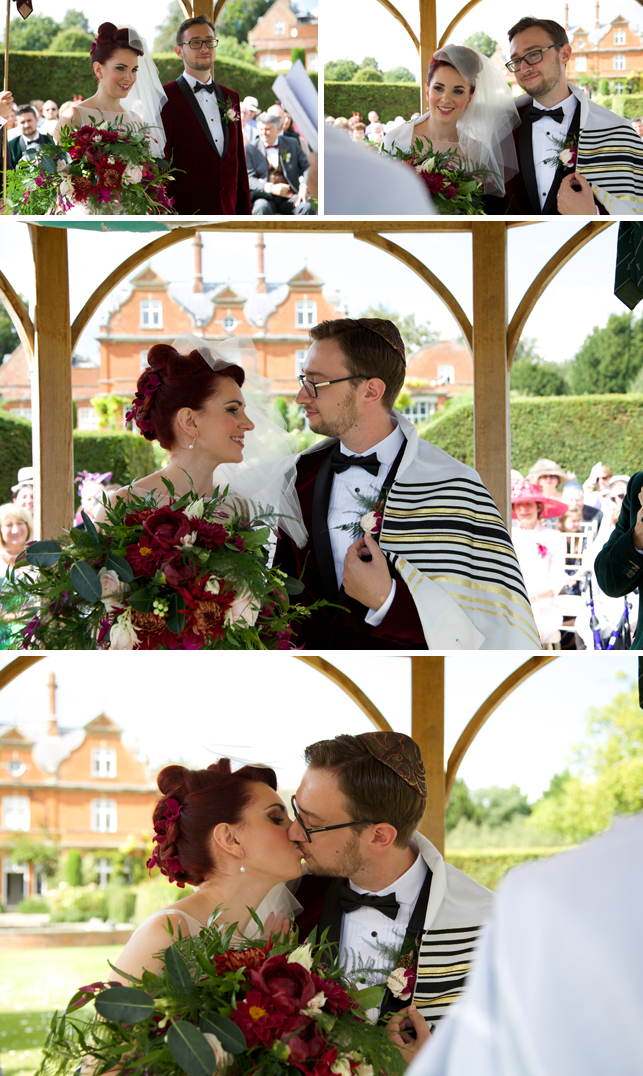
column 211, row 535
column 166, row 528
column 303, row 1037
column 143, row 557
column 434, row 181
column 257, row 1018
column 290, row 985
column 338, row 1000
column 177, row 573
column 243, row 958
column 172, row 810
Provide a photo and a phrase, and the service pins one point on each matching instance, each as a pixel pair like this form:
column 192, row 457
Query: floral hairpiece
column 152, row 383
column 172, row 864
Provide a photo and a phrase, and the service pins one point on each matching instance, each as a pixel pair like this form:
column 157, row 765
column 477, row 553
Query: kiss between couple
column 352, row 859
column 550, row 151
column 402, row 542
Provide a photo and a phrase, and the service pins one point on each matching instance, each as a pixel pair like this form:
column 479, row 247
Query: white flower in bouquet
column 342, row 1066
column 426, row 166
column 67, row 189
column 134, row 174
column 302, row 955
column 62, row 167
column 364, row 1070
column 212, row 586
column 123, row 634
column 242, row 608
column 111, row 585
column 370, row 522
column 222, row 1058
column 97, row 138
column 315, row 1004
column 194, row 510
column 188, row 540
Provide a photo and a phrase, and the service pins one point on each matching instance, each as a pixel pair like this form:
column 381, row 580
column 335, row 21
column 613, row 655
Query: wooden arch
column 427, row 723
column 15, row 667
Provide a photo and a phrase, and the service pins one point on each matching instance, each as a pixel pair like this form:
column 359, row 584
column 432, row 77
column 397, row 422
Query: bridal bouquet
column 101, row 169
column 268, row 1008
column 456, row 186
column 192, row 574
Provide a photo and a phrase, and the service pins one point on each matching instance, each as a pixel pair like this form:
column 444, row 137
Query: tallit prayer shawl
column 446, row 538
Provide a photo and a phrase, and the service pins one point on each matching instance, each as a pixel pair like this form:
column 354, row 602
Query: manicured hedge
column 489, row 866
column 15, row 451
column 62, row 75
column 155, row 894
column 576, row 431
column 628, row 105
column 388, row 99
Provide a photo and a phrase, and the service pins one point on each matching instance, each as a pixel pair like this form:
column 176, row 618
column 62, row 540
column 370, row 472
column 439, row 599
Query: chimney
column 261, row 276
column 597, row 19
column 198, row 270
column 567, row 16
column 53, row 729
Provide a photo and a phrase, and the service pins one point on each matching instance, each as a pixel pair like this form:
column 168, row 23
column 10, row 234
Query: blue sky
column 274, row 705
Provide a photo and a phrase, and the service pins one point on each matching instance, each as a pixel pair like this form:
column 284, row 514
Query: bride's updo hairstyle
column 466, row 62
column 109, row 40
column 172, row 381
column 193, row 802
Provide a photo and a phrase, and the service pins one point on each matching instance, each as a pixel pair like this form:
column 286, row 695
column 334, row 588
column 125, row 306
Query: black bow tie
column 349, row 901
column 207, row 86
column 534, row 114
column 340, row 462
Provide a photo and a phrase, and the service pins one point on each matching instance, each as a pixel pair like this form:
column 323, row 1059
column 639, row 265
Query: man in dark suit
column 619, row 565
column 202, row 122
column 276, row 171
column 29, row 140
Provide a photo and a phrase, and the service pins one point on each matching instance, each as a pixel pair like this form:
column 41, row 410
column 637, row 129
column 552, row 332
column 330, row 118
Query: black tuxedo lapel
column 331, row 915
column 320, row 531
column 226, row 126
column 185, row 88
column 527, row 169
column 550, row 205
column 412, row 940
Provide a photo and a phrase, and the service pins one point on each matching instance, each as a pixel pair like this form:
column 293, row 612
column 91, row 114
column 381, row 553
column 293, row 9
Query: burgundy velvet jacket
column 208, row 184
column 333, row 628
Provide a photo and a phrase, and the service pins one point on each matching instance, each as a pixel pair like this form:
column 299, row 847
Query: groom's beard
column 347, row 865
column 341, row 424
column 544, row 85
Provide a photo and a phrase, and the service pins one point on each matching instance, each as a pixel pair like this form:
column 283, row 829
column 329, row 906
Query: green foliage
column 460, row 805
column 575, row 430
column 71, row 40
column 156, row 893
column 339, row 71
column 489, row 867
column 77, row 904
column 482, row 42
column 120, row 902
column 291, row 413
column 27, row 849
column 31, row 35
column 110, row 411
column 627, row 105
column 604, row 88
column 415, row 334
column 368, row 74
column 15, row 451
column 235, row 50
column 399, row 74
column 298, row 54
column 240, row 16
column 610, row 357
column 496, row 806
column 370, row 61
column 9, row 338
column 537, row 379
column 165, row 39
column 33, row 906
column 76, row 20
column 126, row 455
column 387, row 99
column 73, row 867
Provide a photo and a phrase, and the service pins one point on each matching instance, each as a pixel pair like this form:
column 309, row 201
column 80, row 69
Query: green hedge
column 15, row 451
column 604, row 99
column 33, row 906
column 77, row 904
column 155, row 894
column 488, row 867
column 62, row 75
column 388, row 99
column 628, row 105
column 576, row 431
column 121, row 902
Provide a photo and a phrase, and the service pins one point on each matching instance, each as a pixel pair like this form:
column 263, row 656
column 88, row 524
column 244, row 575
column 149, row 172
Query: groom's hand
column 575, row 202
column 368, row 581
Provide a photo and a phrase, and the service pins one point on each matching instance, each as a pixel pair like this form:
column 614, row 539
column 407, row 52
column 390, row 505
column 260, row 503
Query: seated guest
column 30, row 139
column 608, row 608
column 541, row 555
column 276, row 170
column 376, row 136
column 249, row 112
column 50, row 118
column 23, row 489
column 38, row 104
column 637, row 124
column 574, row 498
column 358, row 133
column 373, row 118
column 341, row 122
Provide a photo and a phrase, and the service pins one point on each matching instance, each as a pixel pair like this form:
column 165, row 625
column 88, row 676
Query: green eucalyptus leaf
column 43, row 554
column 124, row 1004
column 229, row 1035
column 370, row 997
column 142, row 600
column 175, row 620
column 86, row 581
column 178, row 970
column 121, row 567
column 89, row 526
column 190, row 1049
column 293, row 586
column 48, row 164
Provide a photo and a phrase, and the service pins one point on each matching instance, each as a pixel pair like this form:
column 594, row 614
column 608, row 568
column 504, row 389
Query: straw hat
column 544, row 466
column 25, row 478
column 251, row 104
column 522, row 492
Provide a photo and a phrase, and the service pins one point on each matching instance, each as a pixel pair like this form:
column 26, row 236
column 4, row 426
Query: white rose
column 123, row 634
column 426, row 166
column 66, row 189
column 222, row 1058
column 110, row 604
column 302, row 955
column 97, row 138
column 212, row 586
column 195, row 510
column 242, row 608
column 396, row 982
column 189, row 539
column 61, row 167
column 365, row 1070
column 369, row 522
column 231, row 114
column 110, row 583
column 341, row 1066
column 133, row 173
column 566, row 156
column 316, row 1004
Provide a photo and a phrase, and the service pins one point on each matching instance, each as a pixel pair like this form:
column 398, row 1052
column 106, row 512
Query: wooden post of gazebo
column 427, row 729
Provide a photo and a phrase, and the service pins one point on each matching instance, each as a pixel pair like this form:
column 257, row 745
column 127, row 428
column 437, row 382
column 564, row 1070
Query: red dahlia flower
column 338, row 1000
column 211, row 535
column 258, row 1019
column 167, row 527
column 244, row 958
column 304, row 1038
column 144, row 557
column 290, row 985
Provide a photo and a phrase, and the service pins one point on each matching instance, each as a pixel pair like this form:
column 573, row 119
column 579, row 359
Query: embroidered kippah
column 387, row 330
column 400, row 753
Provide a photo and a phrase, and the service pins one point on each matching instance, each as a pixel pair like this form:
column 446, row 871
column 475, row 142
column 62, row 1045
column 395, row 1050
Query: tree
column 73, row 867
column 605, row 87
column 367, row 74
column 27, row 849
column 496, row 806
column 460, row 805
column 414, row 334
column 482, row 42
column 165, row 39
column 239, row 16
column 340, row 70
column 235, row 50
column 399, row 74
column 370, row 61
column 75, row 20
column 34, row 34
column 9, row 338
column 532, row 376
column 609, row 358
column 71, row 40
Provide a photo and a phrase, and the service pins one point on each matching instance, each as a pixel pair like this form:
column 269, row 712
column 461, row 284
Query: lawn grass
column 35, row 982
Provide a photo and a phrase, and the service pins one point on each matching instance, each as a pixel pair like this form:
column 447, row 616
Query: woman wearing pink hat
column 541, row 555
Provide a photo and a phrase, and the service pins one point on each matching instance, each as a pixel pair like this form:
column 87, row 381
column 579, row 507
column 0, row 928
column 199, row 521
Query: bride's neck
column 105, row 102
column 234, row 895
column 199, row 467
column 442, row 132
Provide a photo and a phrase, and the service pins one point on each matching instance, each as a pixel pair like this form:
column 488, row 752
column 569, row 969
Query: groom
column 202, row 122
column 557, row 117
column 376, row 881
column 443, row 548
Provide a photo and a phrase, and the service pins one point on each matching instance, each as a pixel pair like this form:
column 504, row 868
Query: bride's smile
column 116, row 77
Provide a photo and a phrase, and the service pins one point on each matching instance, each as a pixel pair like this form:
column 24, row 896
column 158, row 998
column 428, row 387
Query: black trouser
column 271, row 204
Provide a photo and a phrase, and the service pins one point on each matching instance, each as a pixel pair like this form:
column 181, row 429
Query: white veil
column 147, row 96
column 485, row 127
column 267, row 475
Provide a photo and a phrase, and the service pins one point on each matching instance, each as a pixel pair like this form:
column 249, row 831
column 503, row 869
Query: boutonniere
column 370, row 520
column 542, row 550
column 285, row 156
column 567, row 152
column 401, row 981
column 228, row 112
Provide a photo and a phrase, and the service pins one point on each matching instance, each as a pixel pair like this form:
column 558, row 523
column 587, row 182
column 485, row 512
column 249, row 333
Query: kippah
column 387, row 330
column 400, row 753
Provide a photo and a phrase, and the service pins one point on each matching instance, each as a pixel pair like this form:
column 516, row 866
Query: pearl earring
column 242, row 869
column 192, row 445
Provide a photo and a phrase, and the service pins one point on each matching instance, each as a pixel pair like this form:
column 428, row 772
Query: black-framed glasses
column 311, row 387
column 531, row 58
column 196, row 42
column 324, row 829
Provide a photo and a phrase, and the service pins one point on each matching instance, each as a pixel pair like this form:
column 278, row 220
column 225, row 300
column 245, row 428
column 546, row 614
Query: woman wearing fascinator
column 471, row 113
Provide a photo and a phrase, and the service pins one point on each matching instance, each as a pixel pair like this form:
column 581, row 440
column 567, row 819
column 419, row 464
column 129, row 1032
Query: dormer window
column 103, row 762
column 280, row 28
column 619, row 37
column 305, row 314
column 151, row 314
column 229, row 323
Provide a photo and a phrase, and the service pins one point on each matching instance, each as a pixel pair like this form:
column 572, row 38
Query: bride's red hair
column 206, row 798
column 109, row 40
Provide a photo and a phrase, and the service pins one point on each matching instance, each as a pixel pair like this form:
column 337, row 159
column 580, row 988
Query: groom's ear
column 178, row 50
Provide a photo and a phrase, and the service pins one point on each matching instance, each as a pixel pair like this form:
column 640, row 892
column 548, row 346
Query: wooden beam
column 484, row 712
column 15, row 667
column 218, row 8
column 428, row 42
column 427, row 729
column 352, row 690
column 187, row 8
column 491, row 416
column 455, row 20
column 426, row 275
column 400, row 18
column 51, row 398
column 19, row 315
column 544, row 279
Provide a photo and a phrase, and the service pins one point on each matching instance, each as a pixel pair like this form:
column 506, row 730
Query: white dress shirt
column 367, row 928
column 209, row 104
column 542, row 132
column 343, row 506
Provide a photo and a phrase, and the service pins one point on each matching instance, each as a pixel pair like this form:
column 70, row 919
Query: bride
column 471, row 111
column 226, row 834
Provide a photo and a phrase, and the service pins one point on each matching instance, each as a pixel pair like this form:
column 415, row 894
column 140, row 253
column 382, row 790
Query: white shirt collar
column 407, row 886
column 192, row 81
column 386, row 450
column 568, row 105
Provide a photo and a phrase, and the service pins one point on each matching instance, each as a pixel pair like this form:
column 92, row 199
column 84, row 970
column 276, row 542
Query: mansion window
column 268, row 59
column 151, row 314
column 15, row 767
column 619, row 37
column 580, row 64
column 21, row 412
column 103, row 816
column 300, row 358
column 619, row 63
column 104, row 869
column 280, row 28
column 420, row 411
column 87, row 418
column 104, row 762
column 446, row 375
column 15, row 813
column 142, row 355
column 229, row 323
column 618, row 87
column 305, row 313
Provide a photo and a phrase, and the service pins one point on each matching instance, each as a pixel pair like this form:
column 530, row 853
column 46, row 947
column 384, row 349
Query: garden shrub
column 33, row 906
column 488, row 867
column 73, row 868
column 156, row 893
column 126, row 455
column 121, row 902
column 367, row 74
column 15, row 451
column 77, row 904
column 388, row 99
column 628, row 105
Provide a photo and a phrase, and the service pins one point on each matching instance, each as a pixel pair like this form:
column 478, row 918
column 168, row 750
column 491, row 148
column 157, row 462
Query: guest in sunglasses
column 619, row 565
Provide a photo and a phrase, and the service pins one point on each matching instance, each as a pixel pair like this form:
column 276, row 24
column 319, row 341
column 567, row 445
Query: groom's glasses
column 309, row 832
column 531, row 58
column 196, row 42
column 311, row 387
